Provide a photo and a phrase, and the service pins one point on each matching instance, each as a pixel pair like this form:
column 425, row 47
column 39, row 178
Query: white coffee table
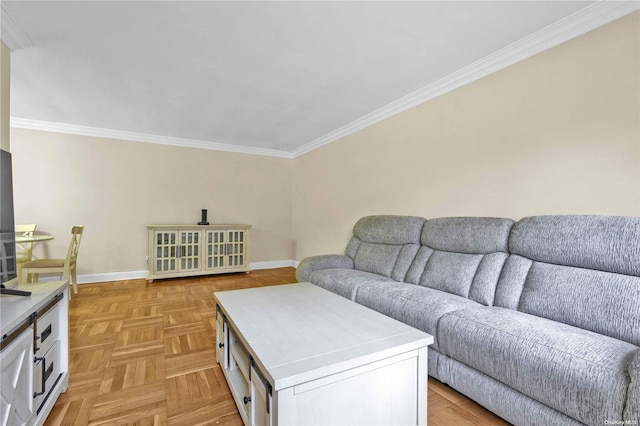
column 297, row 354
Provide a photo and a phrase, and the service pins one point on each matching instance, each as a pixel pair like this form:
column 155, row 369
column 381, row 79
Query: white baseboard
column 274, row 264
column 132, row 275
column 98, row 278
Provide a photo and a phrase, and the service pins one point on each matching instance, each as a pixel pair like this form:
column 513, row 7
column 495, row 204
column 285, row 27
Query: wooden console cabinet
column 34, row 356
column 189, row 250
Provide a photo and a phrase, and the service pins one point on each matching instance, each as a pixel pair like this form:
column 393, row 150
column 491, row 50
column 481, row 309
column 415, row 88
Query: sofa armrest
column 327, row 261
column 632, row 408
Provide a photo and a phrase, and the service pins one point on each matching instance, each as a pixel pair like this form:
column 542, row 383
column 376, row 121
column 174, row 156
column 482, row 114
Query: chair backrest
column 26, row 229
column 74, row 245
column 25, row 250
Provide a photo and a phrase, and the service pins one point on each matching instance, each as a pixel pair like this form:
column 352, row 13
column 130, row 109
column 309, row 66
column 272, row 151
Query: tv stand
column 34, row 352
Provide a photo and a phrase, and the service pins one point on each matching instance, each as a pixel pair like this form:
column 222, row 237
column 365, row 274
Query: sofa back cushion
column 462, row 256
column 385, row 245
column 580, row 270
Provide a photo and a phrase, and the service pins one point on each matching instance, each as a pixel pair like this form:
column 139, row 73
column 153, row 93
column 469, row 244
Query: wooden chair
column 24, row 251
column 66, row 266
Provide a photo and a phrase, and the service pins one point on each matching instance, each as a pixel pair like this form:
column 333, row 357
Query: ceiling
column 265, row 77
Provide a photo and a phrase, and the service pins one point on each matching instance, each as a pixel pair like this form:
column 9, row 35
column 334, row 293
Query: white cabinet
column 34, row 354
column 189, row 250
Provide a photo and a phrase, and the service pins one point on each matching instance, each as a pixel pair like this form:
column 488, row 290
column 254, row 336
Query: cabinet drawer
column 240, row 357
column 237, row 372
column 46, row 373
column 47, row 331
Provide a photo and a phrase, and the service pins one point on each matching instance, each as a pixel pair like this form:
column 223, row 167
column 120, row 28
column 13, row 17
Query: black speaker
column 204, row 218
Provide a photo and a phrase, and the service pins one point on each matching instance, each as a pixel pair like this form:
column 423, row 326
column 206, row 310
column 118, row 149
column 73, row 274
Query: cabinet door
column 260, row 400
column 236, row 249
column 189, row 251
column 215, row 248
column 221, row 340
column 16, row 380
column 166, row 251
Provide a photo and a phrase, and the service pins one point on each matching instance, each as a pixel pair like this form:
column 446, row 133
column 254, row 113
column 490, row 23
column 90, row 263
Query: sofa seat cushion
column 418, row 306
column 345, row 282
column 575, row 371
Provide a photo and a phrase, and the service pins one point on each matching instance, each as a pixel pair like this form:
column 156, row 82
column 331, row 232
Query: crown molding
column 574, row 25
column 48, row 126
column 13, row 36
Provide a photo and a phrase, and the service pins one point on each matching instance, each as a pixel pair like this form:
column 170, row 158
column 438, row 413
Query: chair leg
column 35, row 278
column 74, row 279
column 66, row 276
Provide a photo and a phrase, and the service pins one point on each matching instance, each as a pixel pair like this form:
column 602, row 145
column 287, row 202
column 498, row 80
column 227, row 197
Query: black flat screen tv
column 8, row 273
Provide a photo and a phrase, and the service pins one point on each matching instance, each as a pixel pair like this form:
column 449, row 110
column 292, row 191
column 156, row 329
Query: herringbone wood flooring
column 143, row 354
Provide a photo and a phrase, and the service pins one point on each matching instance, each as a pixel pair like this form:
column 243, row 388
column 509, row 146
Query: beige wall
column 557, row 133
column 5, row 73
column 115, row 188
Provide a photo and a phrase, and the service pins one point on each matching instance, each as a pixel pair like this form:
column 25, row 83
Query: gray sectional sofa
column 537, row 320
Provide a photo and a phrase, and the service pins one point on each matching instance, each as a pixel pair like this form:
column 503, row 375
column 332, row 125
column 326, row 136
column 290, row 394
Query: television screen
column 7, row 228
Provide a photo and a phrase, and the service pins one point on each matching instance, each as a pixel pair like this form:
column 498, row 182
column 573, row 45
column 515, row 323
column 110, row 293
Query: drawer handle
column 46, row 333
column 42, row 376
column 47, row 373
column 221, row 345
column 247, row 399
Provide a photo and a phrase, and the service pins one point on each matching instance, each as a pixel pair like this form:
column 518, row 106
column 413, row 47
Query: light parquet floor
column 143, row 354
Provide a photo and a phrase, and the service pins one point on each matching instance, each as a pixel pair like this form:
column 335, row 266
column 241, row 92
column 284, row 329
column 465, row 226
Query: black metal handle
column 48, row 372
column 221, row 345
column 46, row 333
column 247, row 399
